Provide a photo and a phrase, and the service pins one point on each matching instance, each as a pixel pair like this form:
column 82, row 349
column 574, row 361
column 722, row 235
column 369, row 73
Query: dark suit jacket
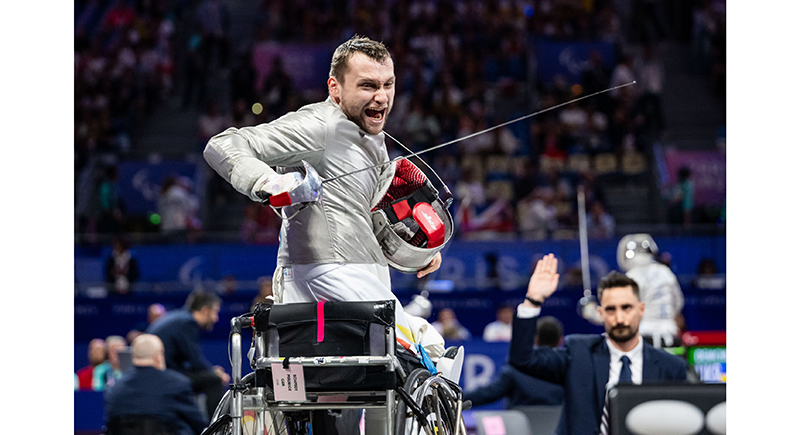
column 164, row 394
column 180, row 334
column 519, row 389
column 582, row 368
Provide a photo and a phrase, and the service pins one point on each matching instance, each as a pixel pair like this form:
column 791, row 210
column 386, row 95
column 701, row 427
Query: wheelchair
column 349, row 360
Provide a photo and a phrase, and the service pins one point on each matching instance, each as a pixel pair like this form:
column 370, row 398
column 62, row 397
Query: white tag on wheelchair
column 289, row 384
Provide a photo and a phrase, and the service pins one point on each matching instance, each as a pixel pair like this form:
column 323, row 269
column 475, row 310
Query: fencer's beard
column 357, row 113
column 622, row 333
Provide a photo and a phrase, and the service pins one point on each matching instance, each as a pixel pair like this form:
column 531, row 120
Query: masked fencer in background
column 658, row 288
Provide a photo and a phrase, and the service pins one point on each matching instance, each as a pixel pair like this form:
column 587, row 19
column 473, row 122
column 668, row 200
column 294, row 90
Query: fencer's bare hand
column 544, row 279
column 432, row 267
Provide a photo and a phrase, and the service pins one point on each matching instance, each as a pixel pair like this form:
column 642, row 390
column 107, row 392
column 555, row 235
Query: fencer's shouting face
column 366, row 93
column 622, row 312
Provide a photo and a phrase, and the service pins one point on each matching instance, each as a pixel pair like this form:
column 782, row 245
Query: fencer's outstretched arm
column 244, row 157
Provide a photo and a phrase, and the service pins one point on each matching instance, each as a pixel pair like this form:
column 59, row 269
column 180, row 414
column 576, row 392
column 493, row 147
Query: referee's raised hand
column 543, row 281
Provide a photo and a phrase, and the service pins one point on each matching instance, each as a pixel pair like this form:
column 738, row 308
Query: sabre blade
column 454, row 141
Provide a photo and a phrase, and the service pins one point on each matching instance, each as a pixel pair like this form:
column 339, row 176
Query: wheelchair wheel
column 274, row 422
column 435, row 400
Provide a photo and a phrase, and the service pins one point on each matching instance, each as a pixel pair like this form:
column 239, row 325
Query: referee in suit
column 589, row 365
column 152, row 390
column 180, row 330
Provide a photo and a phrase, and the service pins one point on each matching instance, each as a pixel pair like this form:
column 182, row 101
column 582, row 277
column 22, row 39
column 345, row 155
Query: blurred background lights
column 257, row 108
column 155, row 218
column 528, row 10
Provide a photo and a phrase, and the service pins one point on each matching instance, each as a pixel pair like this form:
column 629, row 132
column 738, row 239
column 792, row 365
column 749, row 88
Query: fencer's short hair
column 549, row 331
column 201, row 298
column 357, row 44
column 616, row 280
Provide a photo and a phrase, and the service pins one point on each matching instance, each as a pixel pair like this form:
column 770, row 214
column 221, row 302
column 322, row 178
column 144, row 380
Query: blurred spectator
column 195, row 73
column 473, row 123
column 718, row 56
column 211, row 122
column 596, row 76
column 97, row 353
column 681, row 198
column 112, row 207
column 213, row 21
column 549, row 332
column 599, row 223
column 609, row 24
column 480, row 216
column 650, row 74
column 178, row 207
column 261, row 226
column 120, row 16
column 243, row 77
column 422, row 127
column 596, row 132
column 264, row 295
column 623, row 74
column 520, row 389
column 154, row 311
column 500, row 329
column 228, row 284
column 277, row 88
column 525, row 177
column 492, row 275
column 242, row 115
column 708, row 276
column 707, row 266
column 109, row 370
column 449, row 327
column 647, row 21
column 122, row 268
column 179, row 330
column 151, row 390
column 708, row 34
column 537, row 215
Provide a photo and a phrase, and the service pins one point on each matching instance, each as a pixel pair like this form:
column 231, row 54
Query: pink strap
column 320, row 321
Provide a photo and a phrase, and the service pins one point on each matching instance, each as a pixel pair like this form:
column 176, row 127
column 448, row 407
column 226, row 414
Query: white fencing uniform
column 328, row 250
column 661, row 293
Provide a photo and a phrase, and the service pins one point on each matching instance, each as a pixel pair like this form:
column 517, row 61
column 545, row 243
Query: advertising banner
column 140, row 182
column 465, row 266
column 306, row 64
column 707, row 173
column 569, row 58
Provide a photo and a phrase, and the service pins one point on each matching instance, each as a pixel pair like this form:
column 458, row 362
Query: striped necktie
column 624, row 378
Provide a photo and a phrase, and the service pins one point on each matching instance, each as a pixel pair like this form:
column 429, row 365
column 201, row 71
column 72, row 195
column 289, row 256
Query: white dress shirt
column 525, row 312
column 636, row 357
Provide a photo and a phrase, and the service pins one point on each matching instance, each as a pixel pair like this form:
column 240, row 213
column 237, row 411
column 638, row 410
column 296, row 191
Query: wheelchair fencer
column 344, row 355
column 315, row 358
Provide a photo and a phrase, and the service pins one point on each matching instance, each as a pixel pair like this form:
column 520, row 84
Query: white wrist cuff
column 524, row 312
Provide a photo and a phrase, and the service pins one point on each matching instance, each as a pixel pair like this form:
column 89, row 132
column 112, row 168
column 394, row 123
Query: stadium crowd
column 462, row 66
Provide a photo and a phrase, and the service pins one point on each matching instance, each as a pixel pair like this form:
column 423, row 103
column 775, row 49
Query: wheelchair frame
column 262, row 399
